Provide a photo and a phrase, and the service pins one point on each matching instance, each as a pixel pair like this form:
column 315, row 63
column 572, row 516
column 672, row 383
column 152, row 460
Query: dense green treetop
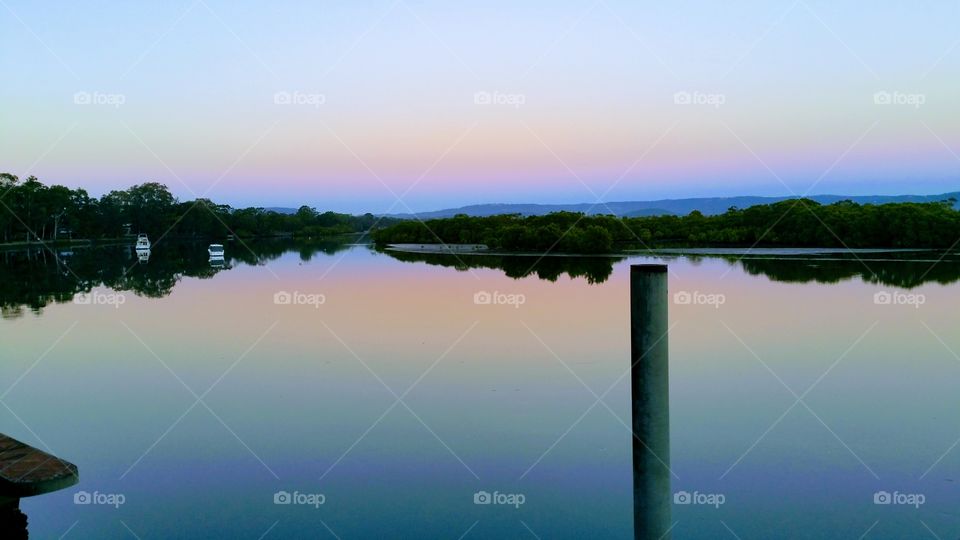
column 795, row 223
column 32, row 211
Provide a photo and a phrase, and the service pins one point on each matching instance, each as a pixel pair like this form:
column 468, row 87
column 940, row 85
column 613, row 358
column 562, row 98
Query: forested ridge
column 795, row 223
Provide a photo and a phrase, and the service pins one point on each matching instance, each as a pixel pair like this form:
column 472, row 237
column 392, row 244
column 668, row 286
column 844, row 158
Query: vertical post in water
column 650, row 378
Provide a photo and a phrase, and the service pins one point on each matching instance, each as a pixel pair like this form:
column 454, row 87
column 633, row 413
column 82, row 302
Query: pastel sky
column 382, row 105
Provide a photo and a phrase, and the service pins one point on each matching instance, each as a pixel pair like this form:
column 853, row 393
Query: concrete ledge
column 26, row 471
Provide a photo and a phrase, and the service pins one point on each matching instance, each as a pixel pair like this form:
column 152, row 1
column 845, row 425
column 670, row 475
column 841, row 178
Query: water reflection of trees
column 594, row 269
column 898, row 270
column 32, row 279
column 900, row 273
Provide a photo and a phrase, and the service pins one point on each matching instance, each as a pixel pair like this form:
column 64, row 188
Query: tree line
column 31, row 211
column 795, row 223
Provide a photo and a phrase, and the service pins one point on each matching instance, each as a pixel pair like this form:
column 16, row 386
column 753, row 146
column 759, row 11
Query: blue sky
column 380, row 106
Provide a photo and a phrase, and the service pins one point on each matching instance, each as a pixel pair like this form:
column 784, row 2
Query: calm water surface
column 795, row 397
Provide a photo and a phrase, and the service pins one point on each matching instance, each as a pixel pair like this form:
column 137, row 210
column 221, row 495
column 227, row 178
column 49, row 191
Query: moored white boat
column 215, row 251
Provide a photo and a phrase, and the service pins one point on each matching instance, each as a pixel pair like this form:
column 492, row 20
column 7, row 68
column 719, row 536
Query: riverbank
column 481, row 249
column 132, row 240
column 16, row 246
column 771, row 251
column 439, row 248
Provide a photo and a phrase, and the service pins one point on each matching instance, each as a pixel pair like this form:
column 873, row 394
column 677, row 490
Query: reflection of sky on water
column 499, row 399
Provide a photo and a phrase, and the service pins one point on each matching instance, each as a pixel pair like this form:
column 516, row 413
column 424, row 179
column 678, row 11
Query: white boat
column 215, row 251
column 143, row 243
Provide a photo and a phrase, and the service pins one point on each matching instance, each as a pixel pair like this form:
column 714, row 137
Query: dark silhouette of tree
column 33, row 212
column 794, row 223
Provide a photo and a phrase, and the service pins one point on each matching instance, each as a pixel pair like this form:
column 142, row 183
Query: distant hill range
column 706, row 205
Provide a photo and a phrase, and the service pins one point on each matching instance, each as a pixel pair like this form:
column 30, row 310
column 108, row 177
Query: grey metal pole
column 650, row 378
